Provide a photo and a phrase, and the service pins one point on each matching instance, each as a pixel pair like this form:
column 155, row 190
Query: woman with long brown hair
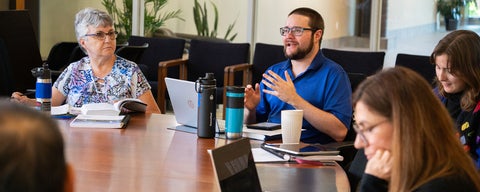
column 457, row 66
column 408, row 137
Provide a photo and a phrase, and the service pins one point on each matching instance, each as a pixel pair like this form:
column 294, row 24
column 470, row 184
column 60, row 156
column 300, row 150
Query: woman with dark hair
column 457, row 61
column 407, row 137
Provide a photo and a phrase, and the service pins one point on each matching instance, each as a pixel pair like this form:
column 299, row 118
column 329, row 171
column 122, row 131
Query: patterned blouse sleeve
column 141, row 85
column 62, row 81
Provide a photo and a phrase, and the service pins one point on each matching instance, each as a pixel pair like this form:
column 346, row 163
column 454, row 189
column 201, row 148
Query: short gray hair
column 90, row 17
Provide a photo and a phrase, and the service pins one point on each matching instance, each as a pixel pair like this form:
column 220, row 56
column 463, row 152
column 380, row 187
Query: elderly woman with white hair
column 101, row 76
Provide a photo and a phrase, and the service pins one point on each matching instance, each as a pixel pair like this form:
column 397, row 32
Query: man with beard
column 307, row 80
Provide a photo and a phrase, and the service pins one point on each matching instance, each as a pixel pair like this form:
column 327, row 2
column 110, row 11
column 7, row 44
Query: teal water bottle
column 234, row 112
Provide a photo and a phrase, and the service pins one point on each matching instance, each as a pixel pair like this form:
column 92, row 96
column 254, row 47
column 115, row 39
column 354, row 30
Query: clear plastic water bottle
column 206, row 88
column 43, row 88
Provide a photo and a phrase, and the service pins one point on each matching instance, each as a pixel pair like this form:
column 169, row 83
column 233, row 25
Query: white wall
column 410, row 13
column 336, row 14
column 4, row 5
column 228, row 10
column 57, row 21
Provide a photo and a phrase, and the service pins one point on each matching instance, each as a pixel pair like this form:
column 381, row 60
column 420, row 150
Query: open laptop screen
column 235, row 168
column 184, row 101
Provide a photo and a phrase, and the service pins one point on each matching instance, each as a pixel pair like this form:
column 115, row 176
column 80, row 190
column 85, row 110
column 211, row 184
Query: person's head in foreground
column 32, row 154
column 408, row 136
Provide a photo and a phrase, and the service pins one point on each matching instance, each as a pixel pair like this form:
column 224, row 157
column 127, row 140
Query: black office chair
column 59, row 57
column 367, row 63
column 356, row 79
column 419, row 63
column 346, row 148
column 132, row 53
column 206, row 56
column 356, row 169
column 159, row 49
column 77, row 54
column 21, row 49
column 265, row 55
column 6, row 87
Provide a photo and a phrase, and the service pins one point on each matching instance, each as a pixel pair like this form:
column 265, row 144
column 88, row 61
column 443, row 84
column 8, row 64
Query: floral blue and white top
column 80, row 86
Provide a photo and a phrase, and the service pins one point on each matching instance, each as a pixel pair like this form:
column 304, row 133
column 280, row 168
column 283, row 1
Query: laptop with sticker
column 184, row 101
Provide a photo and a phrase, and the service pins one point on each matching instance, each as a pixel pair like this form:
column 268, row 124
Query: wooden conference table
column 146, row 156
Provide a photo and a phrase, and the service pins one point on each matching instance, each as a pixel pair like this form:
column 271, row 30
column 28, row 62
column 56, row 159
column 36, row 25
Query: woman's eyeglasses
column 102, row 35
column 360, row 131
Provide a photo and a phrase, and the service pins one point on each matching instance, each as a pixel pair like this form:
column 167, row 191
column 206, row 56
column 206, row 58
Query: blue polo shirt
column 324, row 84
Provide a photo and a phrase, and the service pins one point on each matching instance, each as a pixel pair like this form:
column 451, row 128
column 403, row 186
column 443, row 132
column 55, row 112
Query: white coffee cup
column 291, row 126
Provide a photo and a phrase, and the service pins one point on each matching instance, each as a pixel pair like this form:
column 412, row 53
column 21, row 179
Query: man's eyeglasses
column 297, row 31
column 102, row 36
column 360, row 131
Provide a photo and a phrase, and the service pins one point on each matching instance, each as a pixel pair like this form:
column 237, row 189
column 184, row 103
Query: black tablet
column 264, row 126
column 303, row 149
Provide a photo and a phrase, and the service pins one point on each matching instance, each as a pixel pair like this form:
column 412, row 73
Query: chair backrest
column 356, row 169
column 367, row 63
column 356, row 79
column 21, row 47
column 76, row 55
column 159, row 49
column 213, row 57
column 6, row 87
column 132, row 53
column 419, row 63
column 59, row 56
column 265, row 55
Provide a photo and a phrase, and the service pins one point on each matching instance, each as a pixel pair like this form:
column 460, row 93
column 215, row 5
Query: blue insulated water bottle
column 43, row 88
column 234, row 112
column 206, row 88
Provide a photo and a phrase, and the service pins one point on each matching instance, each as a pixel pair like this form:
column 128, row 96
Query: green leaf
column 154, row 16
column 200, row 16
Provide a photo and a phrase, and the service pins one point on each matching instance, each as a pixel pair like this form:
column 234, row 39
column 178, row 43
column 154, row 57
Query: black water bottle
column 43, row 88
column 206, row 88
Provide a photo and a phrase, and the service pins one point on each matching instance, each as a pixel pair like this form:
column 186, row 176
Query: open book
column 123, row 106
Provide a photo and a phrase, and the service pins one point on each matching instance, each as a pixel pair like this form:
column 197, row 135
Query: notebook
column 184, row 101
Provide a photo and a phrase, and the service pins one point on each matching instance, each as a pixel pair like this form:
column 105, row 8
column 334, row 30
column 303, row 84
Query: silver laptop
column 184, row 101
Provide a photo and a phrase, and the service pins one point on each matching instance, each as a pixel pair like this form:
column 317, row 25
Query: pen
column 67, row 116
column 277, row 153
column 319, row 163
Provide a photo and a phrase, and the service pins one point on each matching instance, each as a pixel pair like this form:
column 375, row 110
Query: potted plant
column 451, row 11
column 201, row 22
column 153, row 19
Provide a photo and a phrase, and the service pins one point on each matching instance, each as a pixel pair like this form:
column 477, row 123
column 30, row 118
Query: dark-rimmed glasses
column 102, row 35
column 297, row 31
column 360, row 131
